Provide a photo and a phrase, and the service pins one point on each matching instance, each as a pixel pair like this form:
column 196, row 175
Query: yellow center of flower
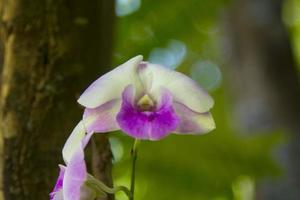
column 145, row 103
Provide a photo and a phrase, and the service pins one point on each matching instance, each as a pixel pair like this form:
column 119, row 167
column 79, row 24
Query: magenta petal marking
column 152, row 125
column 75, row 176
column 59, row 183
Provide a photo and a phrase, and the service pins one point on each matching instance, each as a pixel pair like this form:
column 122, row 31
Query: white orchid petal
column 183, row 88
column 192, row 122
column 58, row 195
column 103, row 118
column 110, row 85
column 74, row 140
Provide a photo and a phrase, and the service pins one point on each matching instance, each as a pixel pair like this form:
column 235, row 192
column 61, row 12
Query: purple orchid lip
column 153, row 124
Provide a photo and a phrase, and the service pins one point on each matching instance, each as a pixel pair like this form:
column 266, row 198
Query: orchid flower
column 70, row 182
column 71, row 179
column 73, row 182
column 146, row 101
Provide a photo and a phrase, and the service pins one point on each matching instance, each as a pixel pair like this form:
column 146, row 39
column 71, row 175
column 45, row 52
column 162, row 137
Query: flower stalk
column 101, row 188
column 134, row 153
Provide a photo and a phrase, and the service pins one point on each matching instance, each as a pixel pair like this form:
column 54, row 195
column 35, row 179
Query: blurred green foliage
column 218, row 166
column 291, row 17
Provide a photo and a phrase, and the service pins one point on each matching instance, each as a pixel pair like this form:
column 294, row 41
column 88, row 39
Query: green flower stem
column 134, row 158
column 101, row 187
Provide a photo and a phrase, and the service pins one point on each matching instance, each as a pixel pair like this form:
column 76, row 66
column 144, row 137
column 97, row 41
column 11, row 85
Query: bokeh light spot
column 207, row 74
column 244, row 188
column 127, row 7
column 171, row 56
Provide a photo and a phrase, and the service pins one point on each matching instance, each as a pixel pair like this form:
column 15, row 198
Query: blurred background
column 246, row 53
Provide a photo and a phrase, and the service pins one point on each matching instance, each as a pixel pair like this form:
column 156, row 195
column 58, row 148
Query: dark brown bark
column 52, row 50
column 101, row 161
column 264, row 83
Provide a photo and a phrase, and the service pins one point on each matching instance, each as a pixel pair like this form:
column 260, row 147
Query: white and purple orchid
column 70, row 182
column 146, row 101
column 72, row 177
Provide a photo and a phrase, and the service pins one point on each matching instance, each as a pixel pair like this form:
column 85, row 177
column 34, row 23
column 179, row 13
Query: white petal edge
column 184, row 89
column 192, row 122
column 110, row 85
column 58, row 195
column 74, row 140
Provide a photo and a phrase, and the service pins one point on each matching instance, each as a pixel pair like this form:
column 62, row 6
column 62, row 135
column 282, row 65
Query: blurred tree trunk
column 51, row 51
column 265, row 85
